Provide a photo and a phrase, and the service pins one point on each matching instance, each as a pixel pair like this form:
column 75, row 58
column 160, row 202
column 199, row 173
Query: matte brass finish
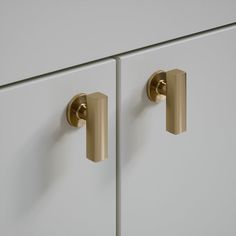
column 92, row 110
column 172, row 85
column 97, row 127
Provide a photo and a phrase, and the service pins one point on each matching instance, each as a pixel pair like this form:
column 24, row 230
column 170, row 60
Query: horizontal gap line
column 116, row 55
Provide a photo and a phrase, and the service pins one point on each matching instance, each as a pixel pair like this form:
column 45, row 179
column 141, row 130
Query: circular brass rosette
column 156, row 86
column 76, row 110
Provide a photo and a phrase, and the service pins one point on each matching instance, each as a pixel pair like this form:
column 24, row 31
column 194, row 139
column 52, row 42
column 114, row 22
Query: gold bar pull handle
column 175, row 101
column 96, row 127
column 172, row 85
column 92, row 110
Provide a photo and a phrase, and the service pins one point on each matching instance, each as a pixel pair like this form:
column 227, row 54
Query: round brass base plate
column 153, row 84
column 74, row 108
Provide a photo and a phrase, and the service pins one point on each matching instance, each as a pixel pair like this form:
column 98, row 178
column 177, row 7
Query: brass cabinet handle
column 92, row 110
column 172, row 85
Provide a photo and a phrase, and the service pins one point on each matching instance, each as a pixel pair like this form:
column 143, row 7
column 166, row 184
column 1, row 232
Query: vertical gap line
column 118, row 170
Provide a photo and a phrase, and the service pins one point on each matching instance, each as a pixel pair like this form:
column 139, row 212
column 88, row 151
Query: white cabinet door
column 179, row 185
column 47, row 186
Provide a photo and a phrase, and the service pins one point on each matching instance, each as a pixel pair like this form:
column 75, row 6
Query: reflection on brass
column 76, row 110
column 91, row 110
column 172, row 85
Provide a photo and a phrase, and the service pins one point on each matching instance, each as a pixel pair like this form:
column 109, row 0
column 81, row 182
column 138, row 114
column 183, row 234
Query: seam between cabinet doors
column 123, row 53
column 180, row 39
column 118, row 168
column 54, row 74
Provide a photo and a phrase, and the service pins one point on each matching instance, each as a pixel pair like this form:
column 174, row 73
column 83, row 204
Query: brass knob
column 172, row 86
column 92, row 110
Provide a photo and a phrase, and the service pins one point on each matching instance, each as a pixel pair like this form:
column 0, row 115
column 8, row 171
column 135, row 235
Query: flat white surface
column 47, row 186
column 180, row 185
column 38, row 37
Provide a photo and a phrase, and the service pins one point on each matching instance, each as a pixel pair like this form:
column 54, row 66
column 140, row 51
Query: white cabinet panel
column 38, row 37
column 47, row 185
column 180, row 185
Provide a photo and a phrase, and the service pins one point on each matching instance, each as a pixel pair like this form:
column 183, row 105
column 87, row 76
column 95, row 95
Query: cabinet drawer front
column 48, row 187
column 184, row 184
column 38, row 37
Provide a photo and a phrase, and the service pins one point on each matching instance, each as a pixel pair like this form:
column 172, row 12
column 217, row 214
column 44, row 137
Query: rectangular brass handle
column 96, row 127
column 175, row 101
column 172, row 86
column 91, row 109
